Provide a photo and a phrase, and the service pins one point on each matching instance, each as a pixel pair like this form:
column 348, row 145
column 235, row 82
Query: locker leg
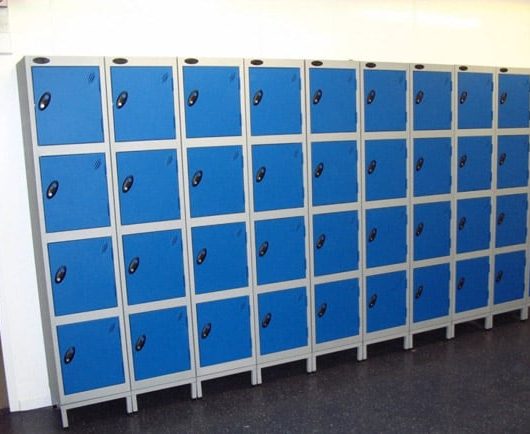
column 64, row 417
column 259, row 378
column 361, row 353
column 408, row 342
column 132, row 404
column 199, row 389
column 488, row 322
column 450, row 332
column 310, row 365
column 193, row 389
column 254, row 377
column 524, row 313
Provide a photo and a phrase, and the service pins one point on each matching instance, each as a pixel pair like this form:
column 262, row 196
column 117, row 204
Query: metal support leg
column 362, row 353
column 254, row 377
column 450, row 332
column 488, row 322
column 193, row 389
column 524, row 313
column 408, row 342
column 64, row 417
column 199, row 389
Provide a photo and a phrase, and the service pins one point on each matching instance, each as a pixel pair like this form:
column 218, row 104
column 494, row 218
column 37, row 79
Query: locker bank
column 195, row 218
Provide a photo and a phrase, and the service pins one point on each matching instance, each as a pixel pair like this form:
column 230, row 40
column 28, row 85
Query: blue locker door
column 159, row 342
column 432, row 166
column 386, row 301
column 385, row 103
column 432, row 223
column 473, row 224
column 212, row 101
column 334, row 172
column 512, row 163
column 142, row 103
column 336, row 310
column 431, row 292
column 74, row 192
column 223, row 331
column 215, row 177
column 432, row 100
column 335, row 242
column 333, row 100
column 474, row 163
column 90, row 354
column 67, row 104
column 219, row 257
column 282, row 320
column 386, row 236
column 153, row 265
column 274, row 101
column 277, row 176
column 386, row 160
column 475, row 90
column 509, row 277
column 148, row 186
column 472, row 282
column 514, row 97
column 511, row 220
column 82, row 275
column 280, row 249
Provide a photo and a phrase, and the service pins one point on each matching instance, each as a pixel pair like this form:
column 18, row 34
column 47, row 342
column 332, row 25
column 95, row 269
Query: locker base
column 335, row 349
column 400, row 332
column 65, row 407
column 512, row 307
column 139, row 391
column 310, row 364
column 434, row 325
column 197, row 391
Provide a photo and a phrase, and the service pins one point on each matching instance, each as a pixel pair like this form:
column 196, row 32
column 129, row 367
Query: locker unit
column 385, row 201
column 510, row 268
column 195, row 218
column 333, row 130
column 216, row 168
column 152, row 245
column 76, row 250
column 430, row 169
column 280, row 232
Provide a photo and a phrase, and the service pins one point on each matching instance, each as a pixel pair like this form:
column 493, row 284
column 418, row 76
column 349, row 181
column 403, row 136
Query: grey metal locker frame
column 41, row 239
column 302, row 352
column 401, row 331
column 247, row 364
column 185, row 377
column 523, row 304
column 485, row 312
column 356, row 341
column 445, row 321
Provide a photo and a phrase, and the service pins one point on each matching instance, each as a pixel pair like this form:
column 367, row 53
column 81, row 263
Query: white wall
column 480, row 32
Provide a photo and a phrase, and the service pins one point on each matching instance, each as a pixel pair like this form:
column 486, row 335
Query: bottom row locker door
column 91, row 355
column 472, row 282
column 386, row 301
column 509, row 276
column 159, row 342
column 282, row 320
column 431, row 292
column 223, row 330
column 336, row 310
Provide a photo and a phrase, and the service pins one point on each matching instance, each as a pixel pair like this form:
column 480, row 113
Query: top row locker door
column 514, row 101
column 275, row 100
column 432, row 100
column 333, row 102
column 142, row 103
column 475, row 92
column 212, row 101
column 67, row 103
column 385, row 100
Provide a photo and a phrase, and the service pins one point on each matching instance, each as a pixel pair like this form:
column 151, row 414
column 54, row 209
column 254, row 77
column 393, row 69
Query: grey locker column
column 511, row 123
column 474, row 135
column 277, row 151
column 215, row 160
column 432, row 189
column 147, row 174
column 333, row 190
column 385, row 202
column 67, row 150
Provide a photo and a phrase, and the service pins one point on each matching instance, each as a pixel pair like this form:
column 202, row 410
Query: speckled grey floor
column 478, row 382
